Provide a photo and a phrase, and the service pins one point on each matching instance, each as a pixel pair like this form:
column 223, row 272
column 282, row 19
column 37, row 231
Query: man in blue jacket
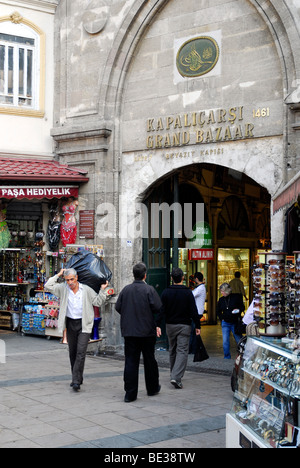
column 137, row 304
column 179, row 309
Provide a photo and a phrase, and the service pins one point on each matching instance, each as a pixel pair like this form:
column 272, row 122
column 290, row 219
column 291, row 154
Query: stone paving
column 39, row 409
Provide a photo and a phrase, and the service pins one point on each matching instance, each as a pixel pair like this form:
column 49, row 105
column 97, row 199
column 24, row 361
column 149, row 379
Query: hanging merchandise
column 293, row 301
column 68, row 225
column 5, row 236
column 91, row 270
column 40, row 260
column 292, row 229
column 30, row 234
column 54, row 227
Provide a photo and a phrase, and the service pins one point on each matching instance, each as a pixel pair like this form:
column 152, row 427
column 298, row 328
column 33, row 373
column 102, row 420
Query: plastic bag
column 201, row 353
column 91, row 270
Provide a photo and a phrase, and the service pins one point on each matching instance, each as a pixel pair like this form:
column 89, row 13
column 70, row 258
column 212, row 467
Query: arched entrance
column 236, row 208
column 138, row 123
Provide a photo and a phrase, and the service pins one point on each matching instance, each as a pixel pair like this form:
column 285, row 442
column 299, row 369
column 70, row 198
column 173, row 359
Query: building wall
column 23, row 134
column 117, row 83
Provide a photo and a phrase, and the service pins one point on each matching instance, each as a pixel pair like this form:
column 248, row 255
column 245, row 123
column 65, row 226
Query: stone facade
column 125, row 113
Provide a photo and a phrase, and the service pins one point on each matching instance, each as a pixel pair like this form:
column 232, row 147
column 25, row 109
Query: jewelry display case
column 266, row 405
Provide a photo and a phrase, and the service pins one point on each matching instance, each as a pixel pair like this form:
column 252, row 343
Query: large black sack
column 91, row 270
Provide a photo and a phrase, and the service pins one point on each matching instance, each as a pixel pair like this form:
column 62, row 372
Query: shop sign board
column 201, row 254
column 87, row 224
column 38, row 192
column 202, row 237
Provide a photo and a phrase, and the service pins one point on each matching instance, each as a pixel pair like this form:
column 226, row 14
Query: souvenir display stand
column 13, row 290
column 41, row 312
column 293, row 300
column 40, row 315
column 38, row 231
column 266, row 404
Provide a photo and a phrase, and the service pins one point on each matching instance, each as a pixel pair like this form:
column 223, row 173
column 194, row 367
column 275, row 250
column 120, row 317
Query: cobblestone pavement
column 39, row 409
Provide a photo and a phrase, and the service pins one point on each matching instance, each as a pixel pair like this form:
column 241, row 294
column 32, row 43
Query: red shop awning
column 33, row 170
column 38, row 192
column 288, row 195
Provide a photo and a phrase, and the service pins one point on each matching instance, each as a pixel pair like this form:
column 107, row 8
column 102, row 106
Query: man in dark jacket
column 179, row 309
column 137, row 304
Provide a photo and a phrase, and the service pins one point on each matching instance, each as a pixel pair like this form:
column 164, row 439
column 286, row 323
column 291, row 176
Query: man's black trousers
column 134, row 347
column 78, row 343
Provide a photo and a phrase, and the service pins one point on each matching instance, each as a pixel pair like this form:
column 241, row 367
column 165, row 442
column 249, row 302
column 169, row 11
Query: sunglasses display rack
column 269, row 283
column 293, row 300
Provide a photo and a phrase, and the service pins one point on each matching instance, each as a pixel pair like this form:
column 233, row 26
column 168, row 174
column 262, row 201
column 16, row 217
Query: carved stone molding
column 95, row 16
column 16, row 18
column 74, row 141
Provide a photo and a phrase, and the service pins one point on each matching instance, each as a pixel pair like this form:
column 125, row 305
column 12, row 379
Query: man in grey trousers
column 179, row 309
column 77, row 315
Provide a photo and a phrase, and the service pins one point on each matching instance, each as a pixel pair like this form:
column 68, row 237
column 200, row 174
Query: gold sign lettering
column 203, row 127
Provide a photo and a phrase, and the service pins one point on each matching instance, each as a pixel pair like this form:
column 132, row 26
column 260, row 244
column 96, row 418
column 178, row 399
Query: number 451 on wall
column 261, row 113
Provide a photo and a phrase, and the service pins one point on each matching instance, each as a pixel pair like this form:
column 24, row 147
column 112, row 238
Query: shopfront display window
column 183, row 264
column 231, row 261
column 189, row 268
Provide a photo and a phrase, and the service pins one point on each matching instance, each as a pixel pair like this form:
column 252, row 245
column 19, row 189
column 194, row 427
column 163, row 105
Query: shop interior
column 33, row 246
column 237, row 211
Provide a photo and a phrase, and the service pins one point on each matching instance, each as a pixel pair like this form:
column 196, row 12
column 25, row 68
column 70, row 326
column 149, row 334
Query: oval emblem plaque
column 197, row 57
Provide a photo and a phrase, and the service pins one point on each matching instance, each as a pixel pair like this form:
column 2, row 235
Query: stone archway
column 239, row 218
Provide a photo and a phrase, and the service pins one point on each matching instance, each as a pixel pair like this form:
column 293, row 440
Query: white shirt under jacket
column 89, row 299
column 74, row 309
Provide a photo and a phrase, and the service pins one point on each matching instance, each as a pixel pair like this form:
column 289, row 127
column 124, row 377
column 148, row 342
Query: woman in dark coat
column 229, row 309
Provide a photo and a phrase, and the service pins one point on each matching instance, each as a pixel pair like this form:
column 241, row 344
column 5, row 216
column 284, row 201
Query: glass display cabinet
column 266, row 404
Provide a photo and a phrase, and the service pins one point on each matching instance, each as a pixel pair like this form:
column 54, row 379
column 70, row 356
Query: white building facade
column 27, row 78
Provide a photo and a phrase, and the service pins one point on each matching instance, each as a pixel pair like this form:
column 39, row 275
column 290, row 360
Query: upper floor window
column 20, row 68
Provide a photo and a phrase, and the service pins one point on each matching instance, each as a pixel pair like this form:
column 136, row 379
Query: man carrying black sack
column 77, row 303
column 137, row 304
